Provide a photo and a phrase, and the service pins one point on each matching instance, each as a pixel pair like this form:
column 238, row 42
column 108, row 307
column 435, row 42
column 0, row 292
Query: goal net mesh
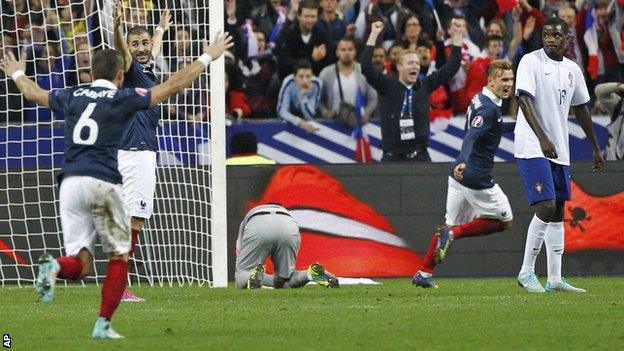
column 57, row 39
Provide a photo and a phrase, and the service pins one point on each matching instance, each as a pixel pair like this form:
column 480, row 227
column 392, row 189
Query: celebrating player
column 90, row 191
column 548, row 84
column 475, row 204
column 138, row 146
column 271, row 230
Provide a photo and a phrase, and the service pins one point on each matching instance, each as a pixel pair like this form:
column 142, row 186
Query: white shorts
column 464, row 204
column 138, row 169
column 91, row 206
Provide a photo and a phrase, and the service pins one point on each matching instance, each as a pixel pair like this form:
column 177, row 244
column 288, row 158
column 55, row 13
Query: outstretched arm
column 163, row 26
column 375, row 77
column 453, row 64
column 15, row 69
column 120, row 45
column 184, row 77
column 528, row 109
column 584, row 118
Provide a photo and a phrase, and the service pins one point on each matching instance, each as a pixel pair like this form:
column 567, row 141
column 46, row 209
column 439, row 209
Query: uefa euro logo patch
column 539, row 187
column 477, row 121
column 141, row 91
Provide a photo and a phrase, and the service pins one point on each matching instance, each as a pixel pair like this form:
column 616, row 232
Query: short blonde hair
column 497, row 66
column 406, row 52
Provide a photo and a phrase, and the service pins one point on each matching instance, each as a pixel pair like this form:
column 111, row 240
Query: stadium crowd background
column 58, row 37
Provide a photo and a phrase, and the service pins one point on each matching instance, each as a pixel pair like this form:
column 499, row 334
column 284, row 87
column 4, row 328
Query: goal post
column 185, row 241
column 217, row 132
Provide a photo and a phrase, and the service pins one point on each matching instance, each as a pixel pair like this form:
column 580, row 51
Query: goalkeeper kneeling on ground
column 271, row 230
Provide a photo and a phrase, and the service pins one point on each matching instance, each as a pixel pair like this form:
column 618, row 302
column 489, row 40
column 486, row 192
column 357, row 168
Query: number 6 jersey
column 95, row 118
column 554, row 86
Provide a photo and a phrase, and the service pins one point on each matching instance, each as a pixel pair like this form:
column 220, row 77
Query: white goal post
column 185, row 241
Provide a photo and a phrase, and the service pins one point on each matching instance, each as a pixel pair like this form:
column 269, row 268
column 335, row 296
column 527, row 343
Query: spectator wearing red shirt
column 236, row 102
column 477, row 75
column 470, row 52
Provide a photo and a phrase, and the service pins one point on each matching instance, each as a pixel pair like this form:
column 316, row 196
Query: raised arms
column 184, row 77
column 120, row 45
column 15, row 69
column 163, row 26
column 375, row 77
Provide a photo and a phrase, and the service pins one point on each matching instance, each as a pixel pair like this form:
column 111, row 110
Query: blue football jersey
column 95, row 117
column 485, row 127
column 140, row 134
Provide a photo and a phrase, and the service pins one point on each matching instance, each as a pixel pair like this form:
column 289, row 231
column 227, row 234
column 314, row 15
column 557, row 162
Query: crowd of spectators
column 275, row 37
column 55, row 37
column 312, row 30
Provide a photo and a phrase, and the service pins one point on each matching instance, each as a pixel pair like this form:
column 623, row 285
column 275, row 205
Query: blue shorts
column 544, row 180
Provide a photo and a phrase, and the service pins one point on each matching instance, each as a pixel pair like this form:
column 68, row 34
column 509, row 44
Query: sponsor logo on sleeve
column 141, row 91
column 477, row 121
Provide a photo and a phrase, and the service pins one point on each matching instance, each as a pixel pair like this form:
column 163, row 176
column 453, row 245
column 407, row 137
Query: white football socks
column 554, row 250
column 535, row 238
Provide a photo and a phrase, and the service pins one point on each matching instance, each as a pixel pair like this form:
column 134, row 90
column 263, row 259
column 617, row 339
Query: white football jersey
column 554, row 86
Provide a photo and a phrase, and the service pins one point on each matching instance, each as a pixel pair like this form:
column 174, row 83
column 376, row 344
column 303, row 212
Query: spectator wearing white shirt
column 351, row 82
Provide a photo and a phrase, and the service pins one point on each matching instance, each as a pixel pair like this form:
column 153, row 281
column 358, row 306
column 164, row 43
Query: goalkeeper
column 271, row 230
column 139, row 144
column 90, row 191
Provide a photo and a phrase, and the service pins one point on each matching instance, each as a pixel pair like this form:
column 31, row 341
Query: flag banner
column 590, row 37
column 506, row 5
column 363, row 148
column 594, row 222
column 182, row 143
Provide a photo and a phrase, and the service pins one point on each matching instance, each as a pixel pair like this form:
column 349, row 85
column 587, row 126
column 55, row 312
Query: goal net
column 185, row 240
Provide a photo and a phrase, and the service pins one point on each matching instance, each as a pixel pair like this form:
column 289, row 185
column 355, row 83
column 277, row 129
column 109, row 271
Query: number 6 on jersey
column 85, row 122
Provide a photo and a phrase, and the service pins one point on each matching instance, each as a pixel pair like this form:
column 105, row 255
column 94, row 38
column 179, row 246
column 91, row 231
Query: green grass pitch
column 463, row 314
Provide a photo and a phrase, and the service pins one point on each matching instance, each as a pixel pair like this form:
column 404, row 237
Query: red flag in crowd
column 363, row 148
column 506, row 5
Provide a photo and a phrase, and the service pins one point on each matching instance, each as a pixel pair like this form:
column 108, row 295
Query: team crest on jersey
column 477, row 121
column 571, row 78
column 539, row 187
column 141, row 91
